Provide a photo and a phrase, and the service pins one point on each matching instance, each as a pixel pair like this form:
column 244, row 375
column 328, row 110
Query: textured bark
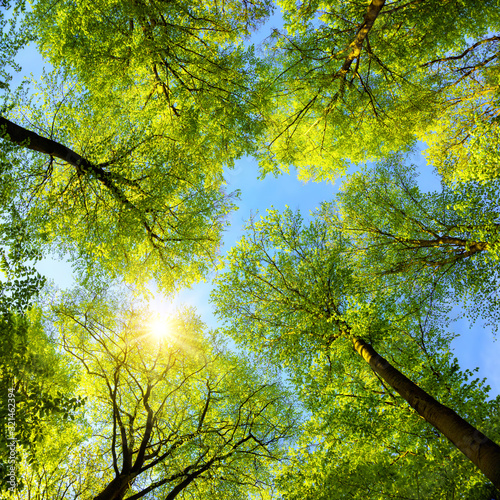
column 481, row 450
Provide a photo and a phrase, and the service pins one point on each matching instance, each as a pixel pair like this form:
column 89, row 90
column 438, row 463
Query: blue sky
column 475, row 346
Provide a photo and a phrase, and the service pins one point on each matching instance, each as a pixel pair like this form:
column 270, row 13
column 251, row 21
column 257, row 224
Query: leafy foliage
column 118, row 161
column 170, row 414
column 463, row 143
column 294, row 294
column 20, row 282
column 148, row 106
column 354, row 82
column 443, row 242
column 36, row 386
column 13, row 36
column 136, row 197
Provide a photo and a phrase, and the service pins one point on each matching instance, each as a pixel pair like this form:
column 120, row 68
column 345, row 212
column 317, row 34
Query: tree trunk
column 31, row 140
column 9, row 131
column 355, row 48
column 117, row 488
column 483, row 452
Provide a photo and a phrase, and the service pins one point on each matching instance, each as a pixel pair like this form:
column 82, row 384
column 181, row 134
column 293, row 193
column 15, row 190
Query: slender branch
column 495, row 38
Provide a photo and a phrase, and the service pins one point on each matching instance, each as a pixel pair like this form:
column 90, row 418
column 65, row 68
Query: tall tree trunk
column 355, row 47
column 481, row 450
column 117, row 488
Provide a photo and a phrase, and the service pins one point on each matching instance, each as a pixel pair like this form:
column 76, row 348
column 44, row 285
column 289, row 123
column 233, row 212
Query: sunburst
column 159, row 327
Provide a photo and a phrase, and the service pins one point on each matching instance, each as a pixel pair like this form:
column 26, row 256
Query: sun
column 159, row 327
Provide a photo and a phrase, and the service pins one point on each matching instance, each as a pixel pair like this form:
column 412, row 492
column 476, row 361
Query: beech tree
column 168, row 416
column 145, row 203
column 337, row 71
column 183, row 65
column 150, row 92
column 12, row 38
column 186, row 60
column 293, row 293
column 364, row 441
column 356, row 80
column 463, row 143
column 147, row 105
column 35, row 381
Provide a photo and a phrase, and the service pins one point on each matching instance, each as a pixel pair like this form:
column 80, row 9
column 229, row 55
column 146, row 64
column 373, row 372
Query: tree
column 167, row 415
column 183, row 65
column 363, row 441
column 293, row 293
column 148, row 105
column 186, row 61
column 467, row 153
column 463, row 143
column 20, row 281
column 417, row 241
column 355, row 81
column 122, row 211
column 37, row 387
column 119, row 161
column 377, row 458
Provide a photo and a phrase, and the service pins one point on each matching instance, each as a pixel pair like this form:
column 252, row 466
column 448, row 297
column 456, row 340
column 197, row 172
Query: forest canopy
column 327, row 370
